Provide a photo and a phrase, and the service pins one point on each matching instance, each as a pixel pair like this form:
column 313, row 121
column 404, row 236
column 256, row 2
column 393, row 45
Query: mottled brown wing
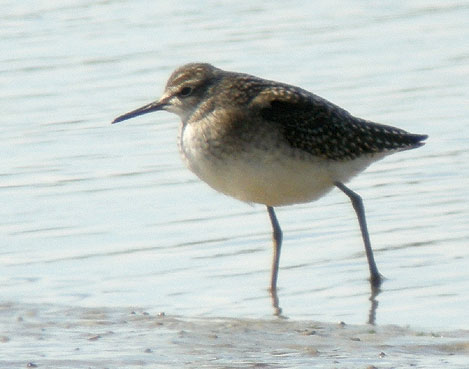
column 317, row 126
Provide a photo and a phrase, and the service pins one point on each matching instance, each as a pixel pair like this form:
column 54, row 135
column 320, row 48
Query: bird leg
column 375, row 277
column 277, row 243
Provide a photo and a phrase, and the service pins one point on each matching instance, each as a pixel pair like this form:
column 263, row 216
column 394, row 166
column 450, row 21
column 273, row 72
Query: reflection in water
column 275, row 303
column 375, row 291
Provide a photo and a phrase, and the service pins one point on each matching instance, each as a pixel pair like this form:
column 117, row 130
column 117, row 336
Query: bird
column 272, row 143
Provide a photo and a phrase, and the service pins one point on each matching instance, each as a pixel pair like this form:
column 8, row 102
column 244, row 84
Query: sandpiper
column 271, row 143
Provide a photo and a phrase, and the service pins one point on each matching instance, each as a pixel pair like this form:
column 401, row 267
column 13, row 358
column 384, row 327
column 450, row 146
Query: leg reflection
column 375, row 291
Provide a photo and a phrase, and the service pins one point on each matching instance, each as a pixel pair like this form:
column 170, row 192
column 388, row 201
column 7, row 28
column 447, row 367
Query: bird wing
column 321, row 128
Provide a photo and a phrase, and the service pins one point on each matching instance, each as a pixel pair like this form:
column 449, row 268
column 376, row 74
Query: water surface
column 95, row 215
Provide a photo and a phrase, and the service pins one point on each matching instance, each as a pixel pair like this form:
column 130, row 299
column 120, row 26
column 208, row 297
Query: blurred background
column 99, row 215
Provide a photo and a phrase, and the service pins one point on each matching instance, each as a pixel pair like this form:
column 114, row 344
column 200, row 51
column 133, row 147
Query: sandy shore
column 47, row 336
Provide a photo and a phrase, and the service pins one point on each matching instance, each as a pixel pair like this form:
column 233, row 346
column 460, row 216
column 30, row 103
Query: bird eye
column 185, row 91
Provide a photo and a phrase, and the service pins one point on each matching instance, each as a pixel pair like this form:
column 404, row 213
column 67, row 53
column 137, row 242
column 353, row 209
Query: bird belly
column 273, row 175
column 260, row 177
column 278, row 183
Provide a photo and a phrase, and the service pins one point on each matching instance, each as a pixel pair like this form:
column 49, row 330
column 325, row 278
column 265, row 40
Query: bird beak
column 154, row 106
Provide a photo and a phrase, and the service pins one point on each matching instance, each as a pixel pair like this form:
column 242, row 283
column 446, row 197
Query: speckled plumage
column 272, row 143
column 307, row 121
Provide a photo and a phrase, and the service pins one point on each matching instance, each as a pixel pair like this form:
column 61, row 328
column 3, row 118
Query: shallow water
column 98, row 216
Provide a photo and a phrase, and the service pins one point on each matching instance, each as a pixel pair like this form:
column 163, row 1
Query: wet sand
column 48, row 336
